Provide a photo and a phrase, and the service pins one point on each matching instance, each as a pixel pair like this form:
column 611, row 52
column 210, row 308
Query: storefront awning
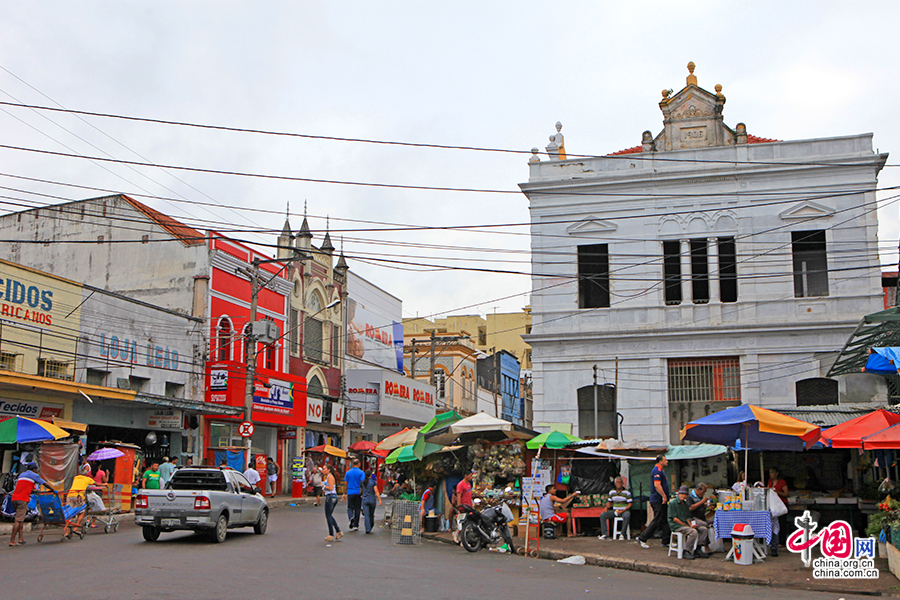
column 199, row 407
column 695, row 452
column 70, row 425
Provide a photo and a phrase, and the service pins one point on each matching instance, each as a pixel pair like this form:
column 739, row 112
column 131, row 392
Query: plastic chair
column 678, row 538
column 618, row 534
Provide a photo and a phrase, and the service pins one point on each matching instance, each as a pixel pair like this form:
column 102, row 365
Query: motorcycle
column 486, row 527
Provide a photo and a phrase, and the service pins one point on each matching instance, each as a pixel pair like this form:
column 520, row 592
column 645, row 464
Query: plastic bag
column 886, row 486
column 776, row 504
column 572, row 560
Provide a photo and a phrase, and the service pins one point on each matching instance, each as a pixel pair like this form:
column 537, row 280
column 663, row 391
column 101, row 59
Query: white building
column 704, row 268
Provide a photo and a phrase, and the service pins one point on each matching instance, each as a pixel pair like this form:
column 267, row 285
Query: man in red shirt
column 462, row 496
column 21, row 494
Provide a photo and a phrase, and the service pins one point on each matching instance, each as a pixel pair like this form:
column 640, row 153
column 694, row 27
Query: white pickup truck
column 202, row 499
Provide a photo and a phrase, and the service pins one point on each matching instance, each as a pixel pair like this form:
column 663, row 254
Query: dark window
column 593, row 276
column 607, row 420
column 96, row 377
column 810, row 264
column 225, row 335
column 174, row 390
column 704, row 380
column 312, row 339
column 816, row 391
column 699, row 271
column 672, row 271
column 335, row 344
column 137, row 383
column 295, row 331
column 728, row 291
column 270, row 356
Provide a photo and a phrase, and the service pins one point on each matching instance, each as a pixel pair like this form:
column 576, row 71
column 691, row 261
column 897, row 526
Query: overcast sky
column 482, row 74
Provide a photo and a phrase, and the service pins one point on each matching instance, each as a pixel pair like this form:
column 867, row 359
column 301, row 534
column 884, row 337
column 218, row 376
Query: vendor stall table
column 585, row 512
column 759, row 520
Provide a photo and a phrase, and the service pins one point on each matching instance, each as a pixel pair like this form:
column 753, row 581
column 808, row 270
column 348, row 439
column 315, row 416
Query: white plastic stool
column 618, row 523
column 679, row 547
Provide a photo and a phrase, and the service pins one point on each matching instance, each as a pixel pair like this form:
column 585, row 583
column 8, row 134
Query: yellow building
column 500, row 331
column 455, row 363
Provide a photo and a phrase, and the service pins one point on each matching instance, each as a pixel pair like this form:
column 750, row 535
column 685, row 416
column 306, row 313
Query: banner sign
column 373, row 338
column 278, row 398
column 337, row 414
column 35, row 410
column 314, row 410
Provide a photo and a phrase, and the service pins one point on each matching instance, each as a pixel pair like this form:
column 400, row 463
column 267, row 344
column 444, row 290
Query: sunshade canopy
column 477, row 426
column 362, row 446
column 755, row 427
column 695, row 452
column 406, row 453
column 886, row 439
column 552, row 439
column 850, row 434
column 328, row 449
column 105, row 454
column 436, row 421
column 23, row 430
column 883, row 361
column 406, row 437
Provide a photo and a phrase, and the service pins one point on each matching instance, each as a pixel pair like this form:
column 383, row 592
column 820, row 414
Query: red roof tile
column 751, row 139
column 188, row 235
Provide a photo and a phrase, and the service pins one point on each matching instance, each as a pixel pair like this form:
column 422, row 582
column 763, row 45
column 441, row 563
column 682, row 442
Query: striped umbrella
column 23, row 430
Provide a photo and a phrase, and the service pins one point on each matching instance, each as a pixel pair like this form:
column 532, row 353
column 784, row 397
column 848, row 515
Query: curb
column 677, row 571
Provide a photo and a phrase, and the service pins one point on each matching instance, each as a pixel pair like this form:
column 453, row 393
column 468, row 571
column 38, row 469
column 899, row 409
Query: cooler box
column 742, row 538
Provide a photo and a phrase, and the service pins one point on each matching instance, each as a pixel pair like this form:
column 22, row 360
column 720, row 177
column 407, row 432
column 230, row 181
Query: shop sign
column 35, row 410
column 337, row 414
column 218, row 380
column 261, row 469
column 278, row 398
column 314, row 410
column 165, row 418
column 297, row 465
column 842, row 556
column 407, row 399
column 287, row 434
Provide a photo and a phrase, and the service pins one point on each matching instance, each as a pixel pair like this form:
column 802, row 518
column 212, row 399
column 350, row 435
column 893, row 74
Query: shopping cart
column 112, row 502
column 54, row 513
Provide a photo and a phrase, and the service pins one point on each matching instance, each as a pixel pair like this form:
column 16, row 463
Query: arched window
column 312, row 329
column 314, row 387
column 224, row 333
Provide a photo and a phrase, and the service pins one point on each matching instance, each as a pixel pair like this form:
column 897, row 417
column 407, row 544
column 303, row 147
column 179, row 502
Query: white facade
column 697, row 185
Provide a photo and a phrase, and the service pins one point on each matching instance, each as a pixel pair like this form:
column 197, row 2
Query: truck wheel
column 151, row 534
column 260, row 527
column 221, row 530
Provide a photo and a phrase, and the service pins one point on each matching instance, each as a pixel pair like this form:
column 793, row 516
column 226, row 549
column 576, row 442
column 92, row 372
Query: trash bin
column 432, row 524
column 742, row 539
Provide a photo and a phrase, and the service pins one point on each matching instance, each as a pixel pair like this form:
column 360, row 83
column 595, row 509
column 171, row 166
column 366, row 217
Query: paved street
column 292, row 561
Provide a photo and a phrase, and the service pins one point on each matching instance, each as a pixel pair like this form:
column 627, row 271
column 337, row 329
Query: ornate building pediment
column 692, row 118
column 591, row 226
column 806, row 210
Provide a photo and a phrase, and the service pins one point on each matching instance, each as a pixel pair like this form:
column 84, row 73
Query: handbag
column 776, row 504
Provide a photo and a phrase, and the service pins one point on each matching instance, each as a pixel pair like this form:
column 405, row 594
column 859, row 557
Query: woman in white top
column 331, row 500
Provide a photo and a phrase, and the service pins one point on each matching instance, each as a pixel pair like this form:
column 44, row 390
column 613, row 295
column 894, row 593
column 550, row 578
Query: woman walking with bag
column 331, row 500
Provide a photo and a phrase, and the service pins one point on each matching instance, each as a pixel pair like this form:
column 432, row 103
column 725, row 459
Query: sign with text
column 397, row 396
column 165, row 418
column 374, row 339
column 314, row 409
column 337, row 414
column 278, row 398
column 35, row 410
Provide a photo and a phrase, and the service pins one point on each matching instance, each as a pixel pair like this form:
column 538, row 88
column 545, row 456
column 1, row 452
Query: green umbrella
column 553, row 439
column 436, row 421
column 406, row 454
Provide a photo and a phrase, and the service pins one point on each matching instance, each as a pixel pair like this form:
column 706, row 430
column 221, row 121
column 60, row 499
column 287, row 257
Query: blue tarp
column 883, row 361
column 694, row 452
column 235, row 458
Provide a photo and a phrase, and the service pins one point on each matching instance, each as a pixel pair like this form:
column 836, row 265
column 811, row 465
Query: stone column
column 686, row 287
column 712, row 252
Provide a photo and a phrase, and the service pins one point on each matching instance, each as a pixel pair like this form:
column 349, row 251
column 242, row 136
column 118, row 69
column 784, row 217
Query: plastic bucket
column 432, row 524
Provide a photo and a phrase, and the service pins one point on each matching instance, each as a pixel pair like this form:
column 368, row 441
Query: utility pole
column 412, row 365
column 596, row 435
column 250, row 344
column 496, row 378
column 433, row 342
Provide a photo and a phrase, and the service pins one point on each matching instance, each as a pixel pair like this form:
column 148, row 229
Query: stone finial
column 665, row 94
column 647, row 141
column 740, row 134
column 534, row 155
column 718, row 89
column 691, row 78
column 558, row 126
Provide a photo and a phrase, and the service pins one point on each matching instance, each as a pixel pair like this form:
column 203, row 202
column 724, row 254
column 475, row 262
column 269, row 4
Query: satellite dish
column 150, row 439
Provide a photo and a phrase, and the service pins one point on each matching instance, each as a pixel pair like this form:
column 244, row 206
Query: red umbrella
column 850, row 434
column 887, row 439
column 362, row 446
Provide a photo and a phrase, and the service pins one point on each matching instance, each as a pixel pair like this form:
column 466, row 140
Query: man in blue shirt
column 659, row 499
column 354, row 479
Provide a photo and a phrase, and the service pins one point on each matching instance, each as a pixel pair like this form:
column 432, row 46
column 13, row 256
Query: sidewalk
column 784, row 571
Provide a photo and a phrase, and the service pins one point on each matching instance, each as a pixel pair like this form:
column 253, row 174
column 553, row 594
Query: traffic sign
column 246, row 429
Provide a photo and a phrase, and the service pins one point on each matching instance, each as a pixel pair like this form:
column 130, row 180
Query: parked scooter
column 486, row 527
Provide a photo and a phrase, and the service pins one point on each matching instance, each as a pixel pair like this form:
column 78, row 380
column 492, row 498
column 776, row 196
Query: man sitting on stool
column 680, row 521
column 618, row 505
column 548, row 512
